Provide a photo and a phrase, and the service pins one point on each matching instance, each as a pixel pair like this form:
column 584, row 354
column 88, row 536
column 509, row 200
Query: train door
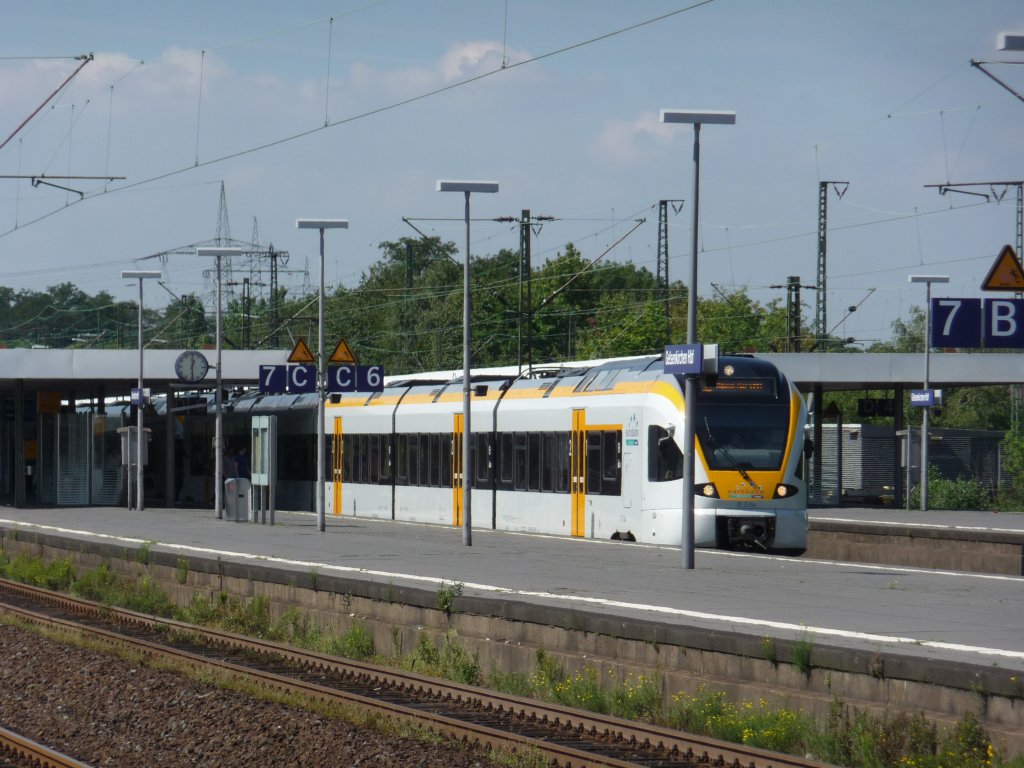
column 457, row 476
column 578, row 471
column 337, row 462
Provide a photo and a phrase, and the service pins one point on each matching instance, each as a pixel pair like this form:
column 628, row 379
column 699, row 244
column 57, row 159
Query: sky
column 354, row 109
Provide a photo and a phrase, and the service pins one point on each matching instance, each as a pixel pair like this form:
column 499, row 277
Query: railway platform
column 977, row 542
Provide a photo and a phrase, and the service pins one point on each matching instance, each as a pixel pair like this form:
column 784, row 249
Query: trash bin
column 236, row 499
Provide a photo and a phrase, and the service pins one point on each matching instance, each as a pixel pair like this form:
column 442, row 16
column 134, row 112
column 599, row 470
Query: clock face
column 191, row 366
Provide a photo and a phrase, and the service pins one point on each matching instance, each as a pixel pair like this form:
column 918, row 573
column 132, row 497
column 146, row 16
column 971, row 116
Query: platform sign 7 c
column 276, row 379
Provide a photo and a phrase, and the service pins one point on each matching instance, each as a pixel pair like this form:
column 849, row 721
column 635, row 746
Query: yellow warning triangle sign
column 301, row 353
column 1006, row 274
column 343, row 353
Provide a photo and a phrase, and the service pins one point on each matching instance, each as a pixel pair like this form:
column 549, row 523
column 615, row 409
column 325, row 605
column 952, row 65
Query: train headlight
column 783, row 491
column 707, row 490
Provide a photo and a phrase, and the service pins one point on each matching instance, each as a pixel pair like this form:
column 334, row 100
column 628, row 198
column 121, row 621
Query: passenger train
column 584, row 450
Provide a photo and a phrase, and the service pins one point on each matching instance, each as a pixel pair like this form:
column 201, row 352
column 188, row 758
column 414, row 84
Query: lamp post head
column 928, row 279
column 698, row 116
column 141, row 274
column 466, row 186
column 321, row 223
column 1010, row 41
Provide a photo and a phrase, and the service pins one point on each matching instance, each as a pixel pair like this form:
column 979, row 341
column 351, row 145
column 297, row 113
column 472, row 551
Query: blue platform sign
column 273, row 379
column 684, row 358
column 276, row 379
column 301, row 378
column 956, row 323
column 1004, row 324
column 925, row 397
column 355, row 378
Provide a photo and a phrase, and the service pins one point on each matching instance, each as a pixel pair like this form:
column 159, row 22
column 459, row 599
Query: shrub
column 962, row 493
column 356, row 643
column 57, row 574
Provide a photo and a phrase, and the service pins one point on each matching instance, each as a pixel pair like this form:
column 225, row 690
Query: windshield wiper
column 725, row 452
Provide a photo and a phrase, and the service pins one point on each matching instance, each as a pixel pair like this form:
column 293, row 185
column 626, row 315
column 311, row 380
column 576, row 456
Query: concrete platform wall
column 507, row 635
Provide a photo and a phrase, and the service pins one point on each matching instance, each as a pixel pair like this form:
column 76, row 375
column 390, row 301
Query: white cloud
column 628, row 142
column 460, row 62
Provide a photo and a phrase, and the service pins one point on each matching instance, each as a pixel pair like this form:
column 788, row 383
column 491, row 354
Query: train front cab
column 749, row 492
column 749, row 434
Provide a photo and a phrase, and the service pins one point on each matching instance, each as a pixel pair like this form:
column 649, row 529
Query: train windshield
column 743, row 423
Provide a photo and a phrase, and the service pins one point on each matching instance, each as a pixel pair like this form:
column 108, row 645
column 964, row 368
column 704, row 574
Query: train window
column 297, row 457
column 373, row 466
column 423, row 465
column 481, row 459
column 520, row 477
column 423, row 476
column 363, row 458
column 664, row 459
column 436, row 460
column 611, row 463
column 506, row 458
column 547, row 463
column 401, row 460
column 446, row 460
column 533, row 461
column 561, row 461
column 594, row 462
column 414, row 459
column 347, row 452
column 385, row 459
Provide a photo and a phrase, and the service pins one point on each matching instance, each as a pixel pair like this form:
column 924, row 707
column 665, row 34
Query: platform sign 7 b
column 1004, row 324
column 956, row 323
column 355, row 378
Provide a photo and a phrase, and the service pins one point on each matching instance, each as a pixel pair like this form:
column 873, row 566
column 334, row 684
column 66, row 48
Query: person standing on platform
column 241, row 459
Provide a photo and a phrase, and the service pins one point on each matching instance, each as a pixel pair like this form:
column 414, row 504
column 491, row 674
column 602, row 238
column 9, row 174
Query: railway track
column 562, row 735
column 18, row 752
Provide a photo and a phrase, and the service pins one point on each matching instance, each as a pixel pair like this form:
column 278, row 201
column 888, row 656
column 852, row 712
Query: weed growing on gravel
column 355, row 643
column 143, row 553
column 450, row 660
column 142, row 594
column 802, row 655
column 446, row 596
column 181, row 570
column 56, row 575
column 850, row 738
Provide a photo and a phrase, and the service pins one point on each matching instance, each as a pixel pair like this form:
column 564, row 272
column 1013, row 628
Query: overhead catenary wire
column 372, row 112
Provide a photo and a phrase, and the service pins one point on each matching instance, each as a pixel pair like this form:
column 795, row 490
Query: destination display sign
column 758, row 386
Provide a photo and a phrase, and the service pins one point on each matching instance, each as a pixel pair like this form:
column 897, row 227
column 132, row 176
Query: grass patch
column 57, row 575
column 449, row 660
column 801, row 655
column 446, row 596
column 181, row 570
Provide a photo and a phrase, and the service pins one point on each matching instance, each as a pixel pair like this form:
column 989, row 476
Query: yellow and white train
column 586, row 450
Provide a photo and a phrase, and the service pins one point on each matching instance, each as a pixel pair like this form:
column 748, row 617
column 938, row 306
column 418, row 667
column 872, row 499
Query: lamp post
column 695, row 118
column 139, row 275
column 466, row 187
column 927, row 280
column 218, row 435
column 321, row 374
